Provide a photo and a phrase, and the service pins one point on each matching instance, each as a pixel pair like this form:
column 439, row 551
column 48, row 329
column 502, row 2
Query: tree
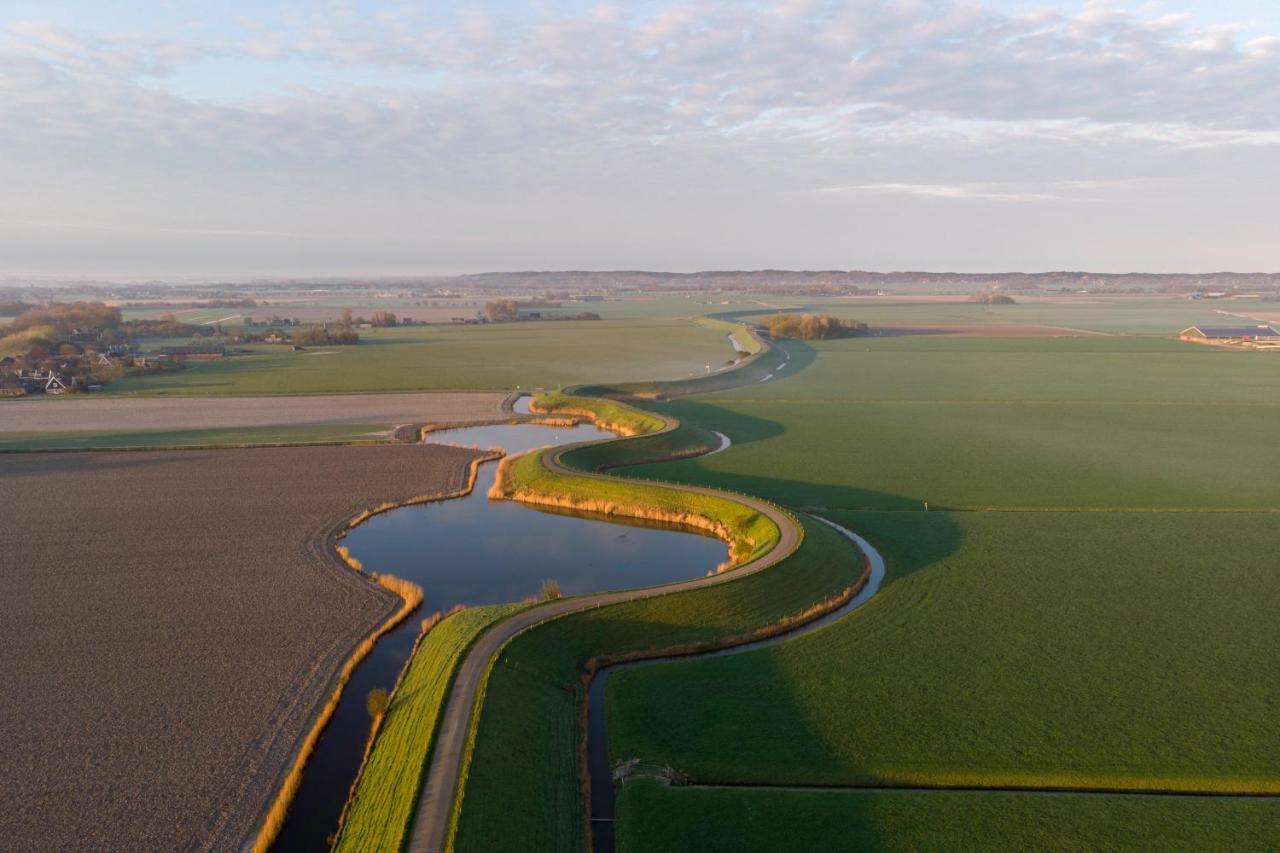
column 376, row 702
column 813, row 327
column 550, row 589
column 384, row 318
column 500, row 310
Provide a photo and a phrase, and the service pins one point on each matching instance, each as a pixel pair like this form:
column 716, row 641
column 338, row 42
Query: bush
column 550, row 589
column 376, row 702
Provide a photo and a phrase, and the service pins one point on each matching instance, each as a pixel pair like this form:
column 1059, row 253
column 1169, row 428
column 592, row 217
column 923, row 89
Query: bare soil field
column 980, row 330
column 121, row 414
column 172, row 622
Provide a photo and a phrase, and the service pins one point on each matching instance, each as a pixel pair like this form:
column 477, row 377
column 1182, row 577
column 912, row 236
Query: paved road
column 435, row 804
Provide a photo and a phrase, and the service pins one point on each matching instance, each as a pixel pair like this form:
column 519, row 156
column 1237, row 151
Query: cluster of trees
column 813, row 327
column 318, row 336
column 502, row 310
column 44, row 327
column 992, row 299
column 508, row 310
column 13, row 307
column 166, row 326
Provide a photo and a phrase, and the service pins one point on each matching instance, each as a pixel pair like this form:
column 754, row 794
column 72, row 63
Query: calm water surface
column 472, row 551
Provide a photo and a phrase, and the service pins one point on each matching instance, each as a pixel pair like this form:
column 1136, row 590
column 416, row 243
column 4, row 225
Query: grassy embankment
column 683, row 820
column 1123, row 643
column 381, row 808
column 526, row 478
column 411, row 596
column 606, row 414
column 523, row 785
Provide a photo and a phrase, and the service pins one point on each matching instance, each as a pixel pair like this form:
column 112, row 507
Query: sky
column 163, row 139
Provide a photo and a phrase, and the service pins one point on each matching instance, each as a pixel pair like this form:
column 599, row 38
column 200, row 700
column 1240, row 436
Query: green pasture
column 1006, row 423
column 522, row 791
column 424, row 358
column 657, row 819
column 1103, row 650
column 380, row 811
column 1111, row 315
column 752, row 534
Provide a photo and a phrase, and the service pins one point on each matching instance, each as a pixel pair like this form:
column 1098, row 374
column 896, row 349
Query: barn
column 1230, row 334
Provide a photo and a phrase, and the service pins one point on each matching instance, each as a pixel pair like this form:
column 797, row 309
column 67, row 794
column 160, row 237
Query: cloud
column 926, row 98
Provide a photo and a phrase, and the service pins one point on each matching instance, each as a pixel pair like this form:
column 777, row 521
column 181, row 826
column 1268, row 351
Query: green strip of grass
column 228, row 437
column 657, row 819
column 607, row 414
column 522, row 791
column 381, row 807
column 750, row 533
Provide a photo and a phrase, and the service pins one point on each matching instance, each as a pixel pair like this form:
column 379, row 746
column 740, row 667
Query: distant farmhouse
column 1254, row 337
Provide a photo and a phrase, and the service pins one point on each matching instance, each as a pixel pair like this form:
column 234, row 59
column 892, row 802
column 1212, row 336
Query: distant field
column 1015, row 422
column 656, row 819
column 172, row 621
column 97, row 413
column 226, row 437
column 450, row 358
column 1143, row 316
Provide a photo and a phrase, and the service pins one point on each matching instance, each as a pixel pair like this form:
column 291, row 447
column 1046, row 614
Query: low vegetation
column 653, row 818
column 813, row 327
column 606, row 414
column 380, row 811
column 526, row 478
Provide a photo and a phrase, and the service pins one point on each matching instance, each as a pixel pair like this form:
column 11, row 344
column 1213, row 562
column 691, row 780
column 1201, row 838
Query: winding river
column 471, row 550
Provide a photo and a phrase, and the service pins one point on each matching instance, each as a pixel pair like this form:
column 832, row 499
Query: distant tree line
column 992, row 299
column 813, row 327
column 508, row 310
column 318, row 336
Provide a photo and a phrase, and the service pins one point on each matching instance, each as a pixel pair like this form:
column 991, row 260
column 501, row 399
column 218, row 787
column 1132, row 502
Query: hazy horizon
column 375, row 139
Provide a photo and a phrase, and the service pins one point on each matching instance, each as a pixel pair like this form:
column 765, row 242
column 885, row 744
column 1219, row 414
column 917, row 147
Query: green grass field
column 689, row 820
column 381, row 809
column 750, row 534
column 425, row 358
column 1060, row 426
column 522, row 790
column 1124, row 644
column 1004, row 649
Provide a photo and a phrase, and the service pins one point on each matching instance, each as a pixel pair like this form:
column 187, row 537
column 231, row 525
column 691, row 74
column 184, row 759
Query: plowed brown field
column 171, row 621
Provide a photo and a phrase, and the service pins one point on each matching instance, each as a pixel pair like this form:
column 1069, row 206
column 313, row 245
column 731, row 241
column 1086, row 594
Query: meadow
column 685, row 820
column 499, row 356
column 380, row 812
column 997, row 423
column 1122, row 644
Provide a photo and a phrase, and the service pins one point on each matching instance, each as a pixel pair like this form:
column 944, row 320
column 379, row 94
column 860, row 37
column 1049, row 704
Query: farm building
column 1230, row 334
